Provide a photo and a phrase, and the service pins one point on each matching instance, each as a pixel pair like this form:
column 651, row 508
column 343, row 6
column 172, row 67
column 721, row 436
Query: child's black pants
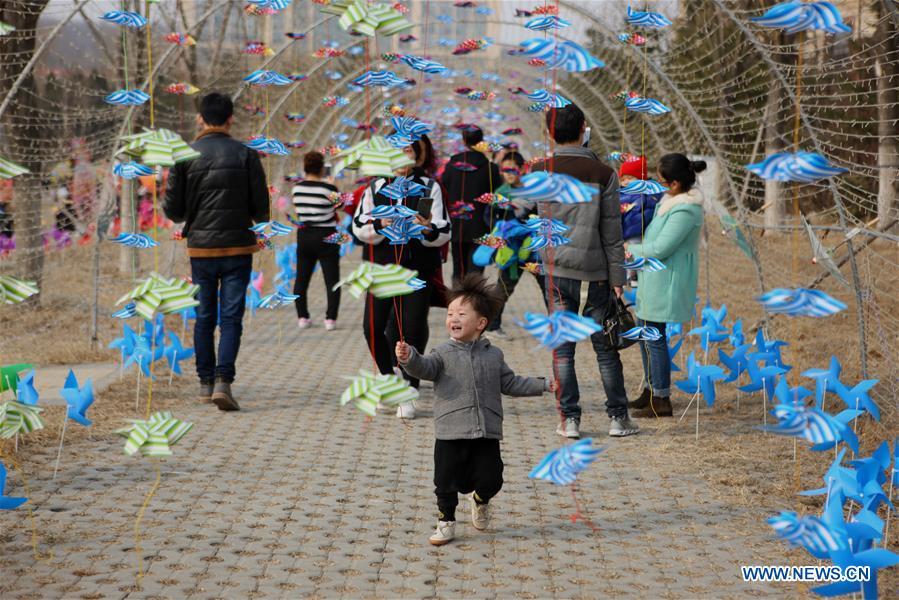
column 464, row 466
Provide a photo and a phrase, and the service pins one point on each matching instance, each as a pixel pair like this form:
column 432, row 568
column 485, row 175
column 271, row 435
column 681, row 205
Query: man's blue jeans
column 656, row 363
column 565, row 294
column 223, row 285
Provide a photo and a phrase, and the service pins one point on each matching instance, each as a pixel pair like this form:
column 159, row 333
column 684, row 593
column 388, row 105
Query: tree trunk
column 775, row 208
column 887, row 117
column 25, row 138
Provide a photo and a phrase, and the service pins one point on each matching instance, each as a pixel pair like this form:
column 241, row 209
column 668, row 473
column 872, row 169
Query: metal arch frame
column 37, row 55
column 580, row 77
column 841, row 209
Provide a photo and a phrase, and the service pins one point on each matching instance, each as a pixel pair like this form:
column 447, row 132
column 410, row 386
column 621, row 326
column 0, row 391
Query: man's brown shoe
column 222, row 397
column 642, row 401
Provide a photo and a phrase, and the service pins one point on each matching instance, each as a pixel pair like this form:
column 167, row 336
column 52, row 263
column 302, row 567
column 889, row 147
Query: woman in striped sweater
column 315, row 209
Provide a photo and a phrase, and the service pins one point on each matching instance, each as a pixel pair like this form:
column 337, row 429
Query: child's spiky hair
column 476, row 291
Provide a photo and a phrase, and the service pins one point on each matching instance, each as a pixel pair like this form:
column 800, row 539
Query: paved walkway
column 296, row 496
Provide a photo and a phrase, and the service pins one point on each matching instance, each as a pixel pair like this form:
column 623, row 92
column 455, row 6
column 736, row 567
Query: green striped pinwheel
column 162, row 294
column 381, row 281
column 373, row 157
column 16, row 417
column 6, row 28
column 14, row 290
column 367, row 391
column 368, row 18
column 154, row 436
column 157, row 148
column 9, row 169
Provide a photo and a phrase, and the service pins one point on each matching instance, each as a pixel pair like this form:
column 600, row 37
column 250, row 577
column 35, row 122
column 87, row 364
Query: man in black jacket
column 468, row 175
column 218, row 196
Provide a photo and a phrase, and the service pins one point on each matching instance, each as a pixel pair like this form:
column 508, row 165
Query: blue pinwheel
column 559, row 327
column 644, row 333
column 858, row 398
column 124, row 17
column 800, row 302
column 562, row 466
column 736, row 363
column 268, row 146
column 769, row 351
column 127, row 98
column 385, row 79
column 796, row 419
column 125, row 344
column 547, row 22
column 711, row 329
column 265, row 78
column 134, row 240
column 422, row 64
column 649, row 106
column 403, row 187
column 126, row 312
column 445, row 19
column 78, row 399
column 673, row 349
column 392, row 211
column 801, row 167
column 25, row 391
column 736, row 337
column 648, row 19
column 650, row 265
column 870, row 473
column 826, row 380
column 175, row 353
column 648, row 186
column 568, row 56
column 142, row 355
column 279, row 298
column 701, row 379
column 132, row 170
column 8, row 502
column 795, row 16
column 762, row 378
column 544, row 186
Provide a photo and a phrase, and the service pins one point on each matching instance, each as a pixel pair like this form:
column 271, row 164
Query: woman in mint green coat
column 667, row 296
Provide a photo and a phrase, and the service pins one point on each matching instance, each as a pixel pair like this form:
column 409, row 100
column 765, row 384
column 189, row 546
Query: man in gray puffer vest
column 594, row 256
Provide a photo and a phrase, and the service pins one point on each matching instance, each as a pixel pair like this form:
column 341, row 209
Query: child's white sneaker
column 444, row 534
column 304, row 323
column 405, row 411
column 480, row 514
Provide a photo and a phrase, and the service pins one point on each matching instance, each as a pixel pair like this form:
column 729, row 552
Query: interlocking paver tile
column 295, row 496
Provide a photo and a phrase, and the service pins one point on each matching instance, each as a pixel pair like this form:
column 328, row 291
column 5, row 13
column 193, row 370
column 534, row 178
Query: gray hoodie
column 469, row 378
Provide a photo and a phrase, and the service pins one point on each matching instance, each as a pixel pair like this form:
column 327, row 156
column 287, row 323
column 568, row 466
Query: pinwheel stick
column 62, row 438
column 694, row 398
column 172, row 367
column 886, row 527
column 137, row 394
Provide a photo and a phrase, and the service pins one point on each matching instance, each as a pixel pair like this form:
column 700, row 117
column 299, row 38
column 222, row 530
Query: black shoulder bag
column 616, row 321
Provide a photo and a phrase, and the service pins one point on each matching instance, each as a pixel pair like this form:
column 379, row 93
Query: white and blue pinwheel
column 269, row 229
column 134, row 240
column 277, row 299
column 386, row 79
column 812, row 424
column 543, row 186
column 645, row 333
column 800, row 302
column 268, row 146
column 546, row 233
column 274, row 5
column 650, row 265
column 648, row 186
column 127, row 98
column 795, row 16
column 648, row 19
column 559, row 327
column 563, row 465
column 124, row 17
column 649, row 106
column 406, row 131
column 126, row 312
column 541, row 96
column 568, row 56
column 801, row 167
column 264, row 78
column 132, row 170
column 403, row 187
column 423, row 64
column 547, row 22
